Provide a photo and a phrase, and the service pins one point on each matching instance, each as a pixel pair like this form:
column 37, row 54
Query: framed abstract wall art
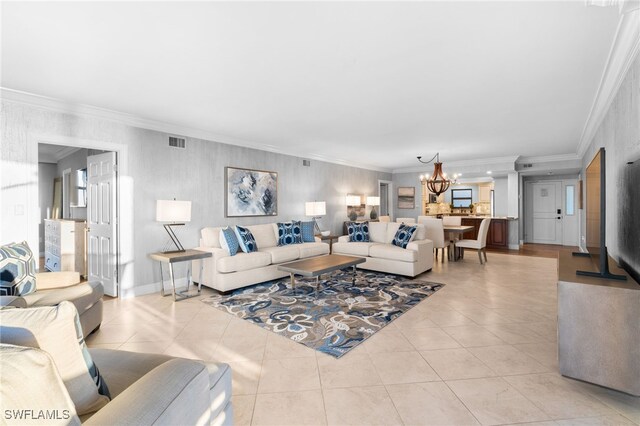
column 250, row 192
column 406, row 197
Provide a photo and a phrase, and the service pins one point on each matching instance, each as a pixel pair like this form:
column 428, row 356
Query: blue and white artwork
column 251, row 193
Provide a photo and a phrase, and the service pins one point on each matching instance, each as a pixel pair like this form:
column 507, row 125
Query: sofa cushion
column 357, row 249
column 421, row 232
column 378, row 232
column 289, row 233
column 229, row 241
column 30, row 381
column 211, row 237
column 243, row 262
column 391, row 252
column 17, row 270
column 283, row 254
column 313, row 249
column 308, row 231
column 404, row 235
column 358, row 232
column 56, row 330
column 392, row 228
column 264, row 234
column 246, row 239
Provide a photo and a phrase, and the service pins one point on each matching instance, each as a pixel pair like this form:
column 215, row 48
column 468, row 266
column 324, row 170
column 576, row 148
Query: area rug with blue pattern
column 336, row 318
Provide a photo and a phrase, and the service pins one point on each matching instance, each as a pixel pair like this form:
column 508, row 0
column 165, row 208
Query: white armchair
column 480, row 244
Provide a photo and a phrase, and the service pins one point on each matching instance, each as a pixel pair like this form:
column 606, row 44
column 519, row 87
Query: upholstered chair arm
column 176, row 392
column 51, row 280
column 13, row 301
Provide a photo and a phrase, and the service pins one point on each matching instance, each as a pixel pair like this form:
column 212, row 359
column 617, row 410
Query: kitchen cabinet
column 498, row 235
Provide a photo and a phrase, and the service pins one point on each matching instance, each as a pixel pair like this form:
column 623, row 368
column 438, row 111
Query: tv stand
column 598, row 327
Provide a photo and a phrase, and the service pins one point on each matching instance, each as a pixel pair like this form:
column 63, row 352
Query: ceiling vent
column 177, row 142
column 527, row 166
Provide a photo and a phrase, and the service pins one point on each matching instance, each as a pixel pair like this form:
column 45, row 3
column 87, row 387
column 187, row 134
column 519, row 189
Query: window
column 461, row 198
column 570, row 197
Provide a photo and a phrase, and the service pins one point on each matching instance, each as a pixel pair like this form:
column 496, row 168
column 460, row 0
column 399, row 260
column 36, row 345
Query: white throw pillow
column 57, row 331
column 392, row 228
column 420, row 234
column 30, row 383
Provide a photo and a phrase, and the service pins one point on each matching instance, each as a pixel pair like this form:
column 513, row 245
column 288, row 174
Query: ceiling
column 373, row 83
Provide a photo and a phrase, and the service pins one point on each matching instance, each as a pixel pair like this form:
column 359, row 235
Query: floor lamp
column 176, row 213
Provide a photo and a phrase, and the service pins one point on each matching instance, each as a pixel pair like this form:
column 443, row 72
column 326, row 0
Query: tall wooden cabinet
column 64, row 245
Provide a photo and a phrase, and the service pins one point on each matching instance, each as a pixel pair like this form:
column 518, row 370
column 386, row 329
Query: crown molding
column 624, row 49
column 89, row 111
column 549, row 158
column 508, row 161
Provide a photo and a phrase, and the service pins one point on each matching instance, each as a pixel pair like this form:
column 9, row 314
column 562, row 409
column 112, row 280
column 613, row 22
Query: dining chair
column 384, row 218
column 435, row 233
column 451, row 220
column 480, row 244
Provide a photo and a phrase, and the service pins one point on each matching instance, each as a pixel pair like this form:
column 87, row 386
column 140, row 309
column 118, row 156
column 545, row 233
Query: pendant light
column 437, row 182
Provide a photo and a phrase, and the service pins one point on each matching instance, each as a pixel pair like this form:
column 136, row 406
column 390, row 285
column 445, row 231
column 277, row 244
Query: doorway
column 82, row 235
column 384, row 191
column 551, row 212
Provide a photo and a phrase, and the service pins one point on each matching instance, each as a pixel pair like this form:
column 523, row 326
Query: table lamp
column 315, row 209
column 373, row 202
column 176, row 213
column 353, row 201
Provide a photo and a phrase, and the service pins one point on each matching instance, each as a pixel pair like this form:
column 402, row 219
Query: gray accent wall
column 619, row 134
column 156, row 171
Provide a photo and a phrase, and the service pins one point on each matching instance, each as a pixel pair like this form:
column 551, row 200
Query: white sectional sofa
column 382, row 256
column 224, row 272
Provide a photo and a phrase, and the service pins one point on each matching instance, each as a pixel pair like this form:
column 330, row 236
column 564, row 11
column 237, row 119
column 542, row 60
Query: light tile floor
column 480, row 351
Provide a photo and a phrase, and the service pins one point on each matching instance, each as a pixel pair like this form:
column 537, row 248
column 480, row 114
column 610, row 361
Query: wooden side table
column 329, row 238
column 176, row 257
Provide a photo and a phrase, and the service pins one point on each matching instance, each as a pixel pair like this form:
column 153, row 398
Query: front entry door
column 547, row 212
column 101, row 218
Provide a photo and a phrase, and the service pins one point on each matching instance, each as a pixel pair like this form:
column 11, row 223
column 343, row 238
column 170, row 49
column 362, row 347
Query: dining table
column 455, row 232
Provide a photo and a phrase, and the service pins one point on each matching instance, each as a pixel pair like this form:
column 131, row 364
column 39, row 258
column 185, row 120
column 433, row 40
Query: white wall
column 500, row 196
column 619, row 134
column 156, row 171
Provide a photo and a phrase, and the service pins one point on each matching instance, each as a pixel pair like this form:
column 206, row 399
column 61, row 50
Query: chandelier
column 437, row 182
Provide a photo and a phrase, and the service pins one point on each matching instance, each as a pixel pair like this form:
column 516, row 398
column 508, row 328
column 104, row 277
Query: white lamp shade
column 315, row 208
column 353, row 200
column 373, row 201
column 173, row 211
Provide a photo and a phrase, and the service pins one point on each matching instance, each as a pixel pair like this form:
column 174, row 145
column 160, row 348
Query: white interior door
column 546, row 208
column 101, row 219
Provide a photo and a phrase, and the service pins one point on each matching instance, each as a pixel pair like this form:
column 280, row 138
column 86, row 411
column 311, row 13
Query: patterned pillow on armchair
column 17, row 270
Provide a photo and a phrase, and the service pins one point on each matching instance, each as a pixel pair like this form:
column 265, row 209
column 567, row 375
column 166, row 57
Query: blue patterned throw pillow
column 289, row 233
column 17, row 270
column 308, row 231
column 358, row 232
column 403, row 235
column 229, row 241
column 245, row 238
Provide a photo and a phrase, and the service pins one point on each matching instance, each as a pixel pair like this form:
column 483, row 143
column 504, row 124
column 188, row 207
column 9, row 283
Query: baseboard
column 151, row 288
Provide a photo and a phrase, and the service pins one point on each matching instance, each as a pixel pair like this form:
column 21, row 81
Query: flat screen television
column 596, row 217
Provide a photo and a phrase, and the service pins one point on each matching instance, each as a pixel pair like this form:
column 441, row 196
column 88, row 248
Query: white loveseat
column 224, row 272
column 383, row 256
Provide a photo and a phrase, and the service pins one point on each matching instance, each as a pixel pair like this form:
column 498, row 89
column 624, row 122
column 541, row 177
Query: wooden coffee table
column 316, row 266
